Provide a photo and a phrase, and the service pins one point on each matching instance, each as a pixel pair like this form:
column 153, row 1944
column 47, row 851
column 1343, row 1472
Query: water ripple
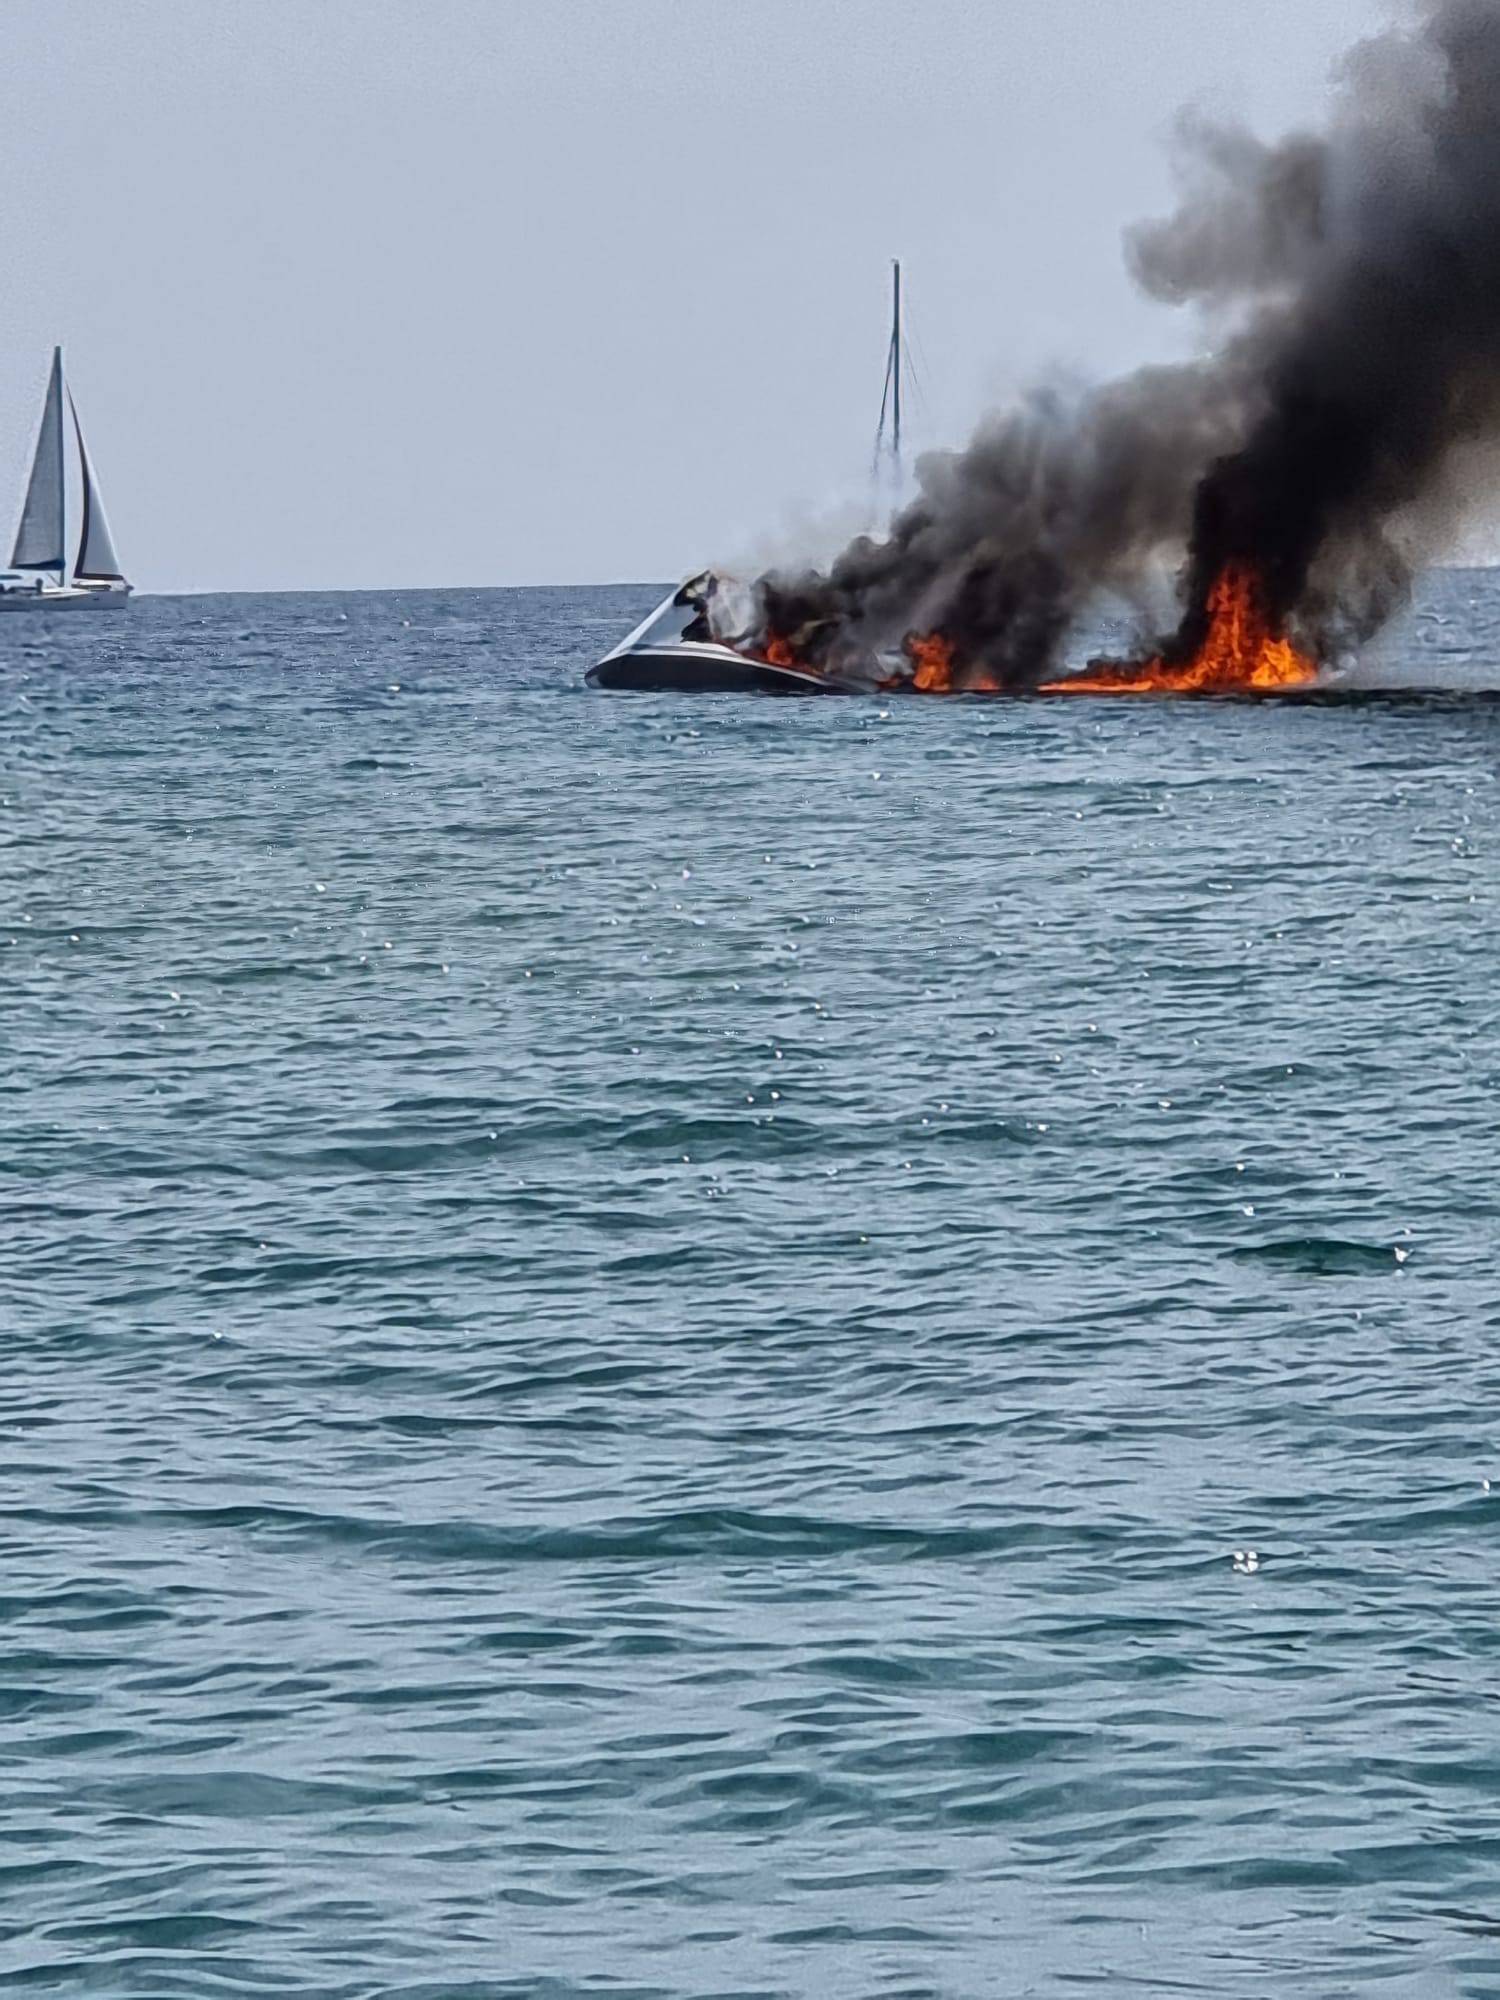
column 645, row 1363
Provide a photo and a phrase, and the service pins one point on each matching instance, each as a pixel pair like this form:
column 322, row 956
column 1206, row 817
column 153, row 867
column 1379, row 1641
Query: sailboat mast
column 62, row 471
column 896, row 362
column 890, row 395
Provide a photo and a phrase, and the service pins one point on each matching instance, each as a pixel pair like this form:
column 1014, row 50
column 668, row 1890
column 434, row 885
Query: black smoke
column 1352, row 280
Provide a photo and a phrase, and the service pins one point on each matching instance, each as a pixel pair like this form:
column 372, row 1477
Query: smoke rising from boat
column 1352, row 282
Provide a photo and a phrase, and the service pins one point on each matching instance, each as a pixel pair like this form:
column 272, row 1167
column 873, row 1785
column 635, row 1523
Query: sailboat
column 38, row 577
column 674, row 650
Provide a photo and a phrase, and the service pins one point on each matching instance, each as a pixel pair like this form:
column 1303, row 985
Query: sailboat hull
column 68, row 598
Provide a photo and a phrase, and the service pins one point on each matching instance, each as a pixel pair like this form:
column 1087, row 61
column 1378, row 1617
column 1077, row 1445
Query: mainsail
column 39, row 539
column 97, row 561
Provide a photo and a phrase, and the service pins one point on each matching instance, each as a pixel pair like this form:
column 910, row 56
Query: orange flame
column 1241, row 653
column 936, row 670
column 779, row 653
column 932, row 656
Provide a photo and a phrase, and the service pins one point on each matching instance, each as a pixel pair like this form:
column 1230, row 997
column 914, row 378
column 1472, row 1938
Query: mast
column 62, row 469
column 890, row 395
column 896, row 363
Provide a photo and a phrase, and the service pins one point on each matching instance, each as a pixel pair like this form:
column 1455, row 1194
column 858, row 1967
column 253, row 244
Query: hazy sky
column 378, row 292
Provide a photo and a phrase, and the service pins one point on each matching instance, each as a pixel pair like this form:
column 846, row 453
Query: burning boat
column 711, row 637
column 1334, row 433
column 678, row 650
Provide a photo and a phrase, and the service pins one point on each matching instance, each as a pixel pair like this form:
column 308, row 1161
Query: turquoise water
column 641, row 1335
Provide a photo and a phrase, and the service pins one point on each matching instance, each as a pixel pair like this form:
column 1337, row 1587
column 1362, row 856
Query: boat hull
column 701, row 669
column 63, row 600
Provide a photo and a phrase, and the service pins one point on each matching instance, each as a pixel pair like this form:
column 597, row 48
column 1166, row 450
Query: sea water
column 671, row 1347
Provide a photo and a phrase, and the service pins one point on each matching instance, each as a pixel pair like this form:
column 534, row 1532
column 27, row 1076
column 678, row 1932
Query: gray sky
column 379, row 292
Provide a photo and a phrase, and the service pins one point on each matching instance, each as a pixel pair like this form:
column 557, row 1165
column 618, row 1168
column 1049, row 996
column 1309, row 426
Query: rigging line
column 885, row 400
column 915, row 353
column 920, row 393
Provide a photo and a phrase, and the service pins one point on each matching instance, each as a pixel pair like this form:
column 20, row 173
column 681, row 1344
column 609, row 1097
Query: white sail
column 97, row 561
column 39, row 539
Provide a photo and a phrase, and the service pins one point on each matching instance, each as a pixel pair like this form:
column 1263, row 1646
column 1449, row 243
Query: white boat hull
column 698, row 668
column 659, row 657
column 66, row 599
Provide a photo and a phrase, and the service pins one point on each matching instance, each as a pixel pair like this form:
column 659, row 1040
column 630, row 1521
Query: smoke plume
column 1353, row 283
